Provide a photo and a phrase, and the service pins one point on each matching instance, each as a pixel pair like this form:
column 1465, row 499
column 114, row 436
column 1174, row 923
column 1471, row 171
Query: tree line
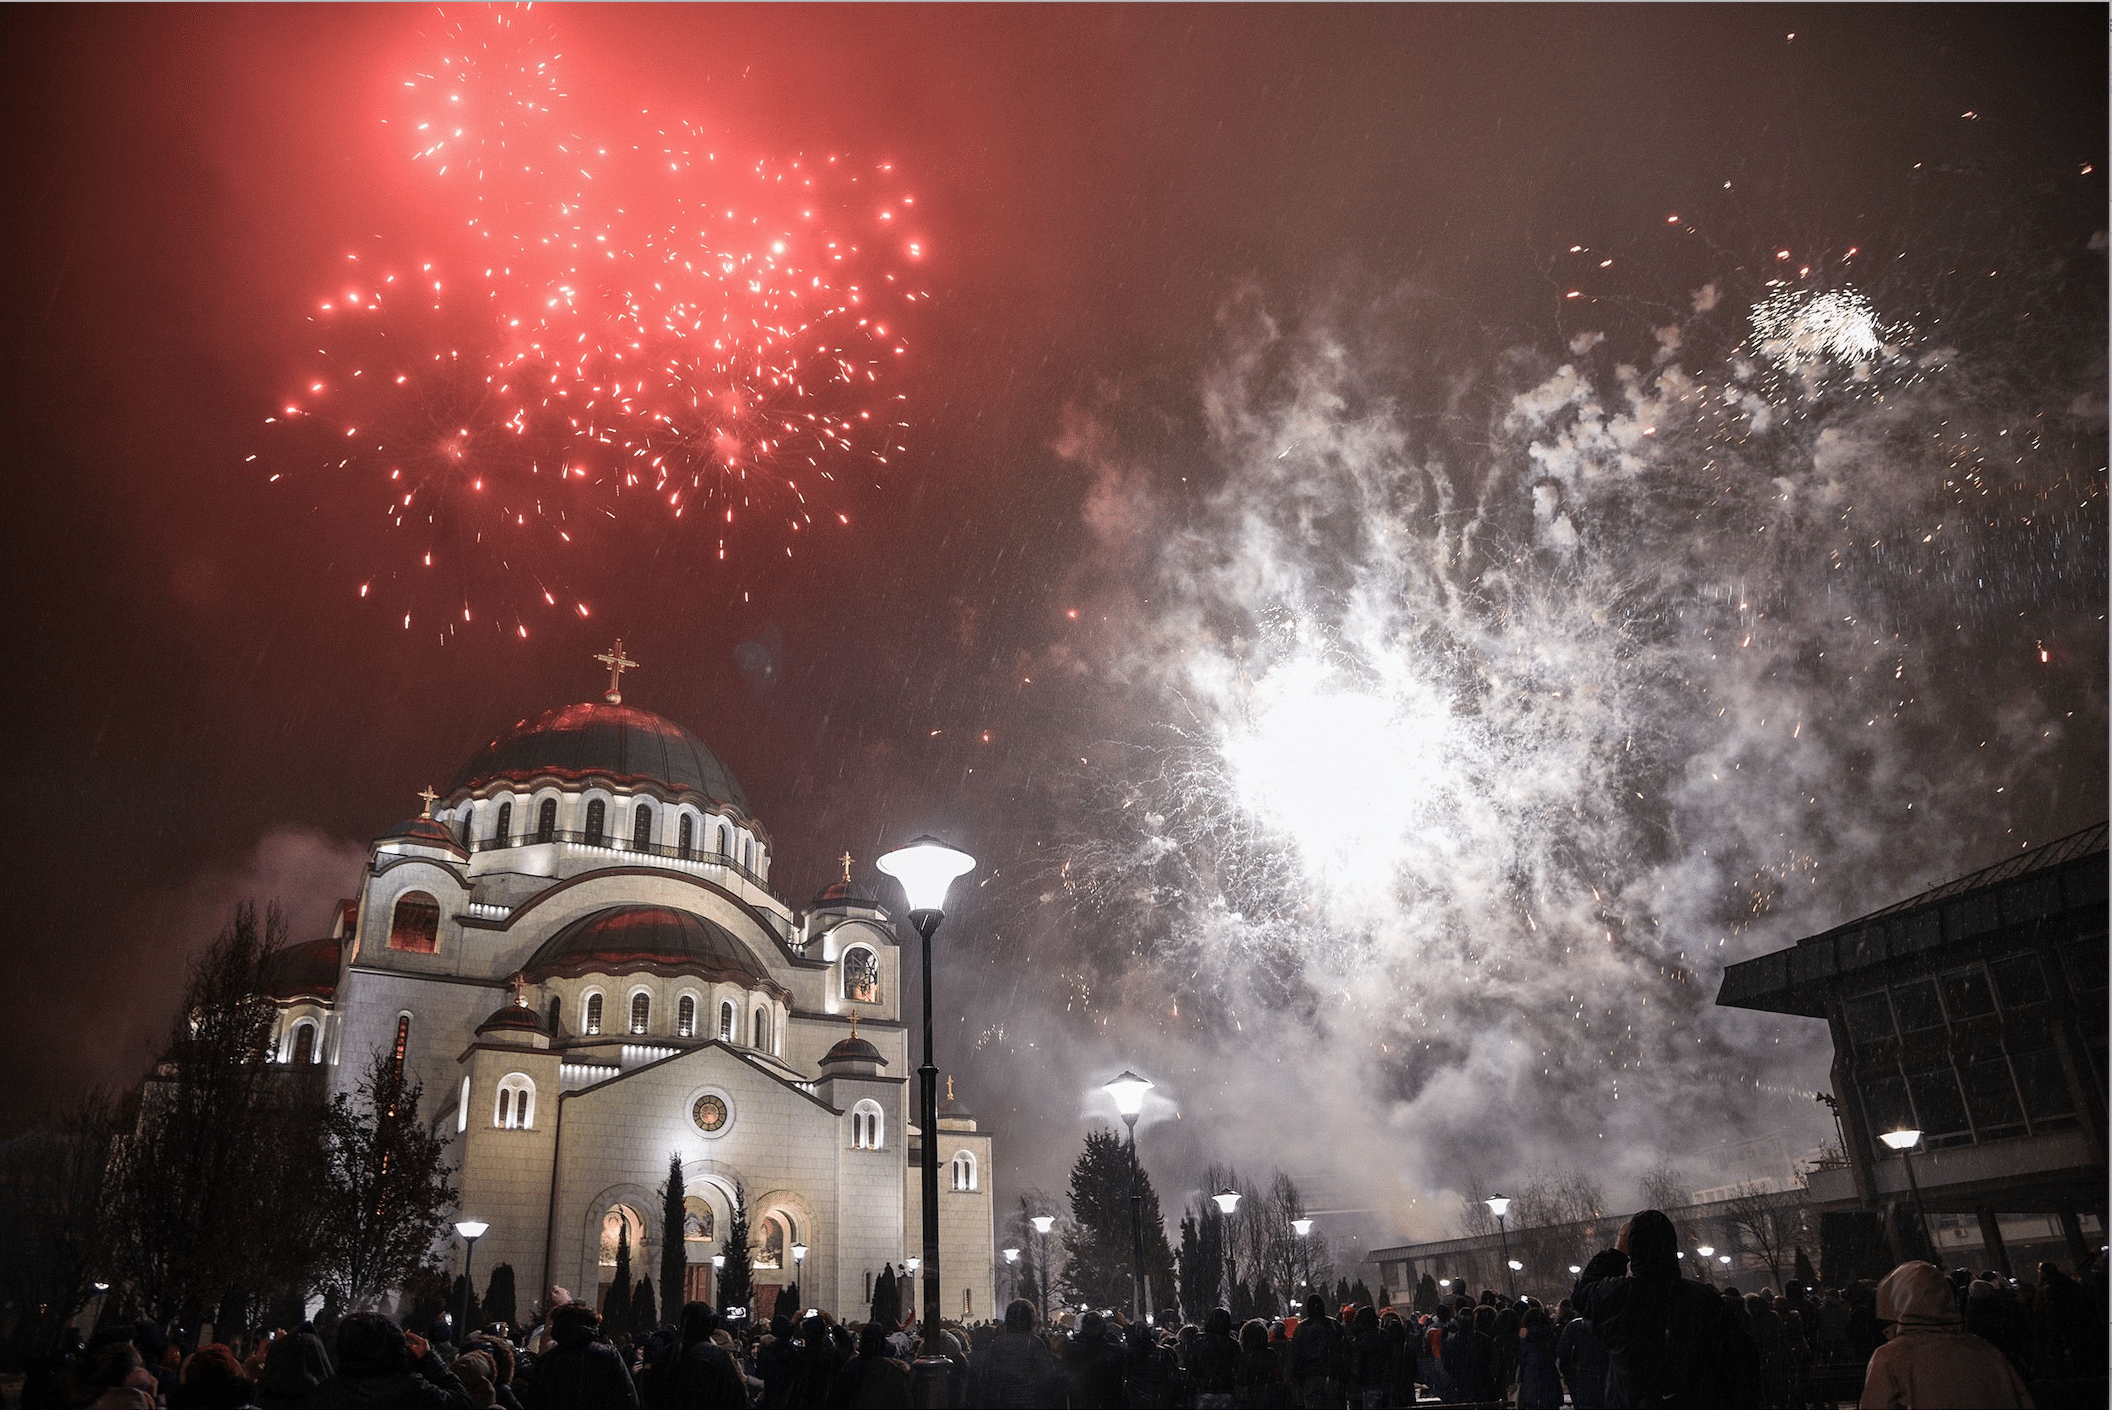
column 228, row 1188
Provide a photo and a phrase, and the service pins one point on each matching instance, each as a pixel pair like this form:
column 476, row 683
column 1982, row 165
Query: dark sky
column 194, row 674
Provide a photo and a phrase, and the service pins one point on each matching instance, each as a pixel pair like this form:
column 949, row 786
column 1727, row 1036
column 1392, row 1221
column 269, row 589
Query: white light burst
column 1801, row 330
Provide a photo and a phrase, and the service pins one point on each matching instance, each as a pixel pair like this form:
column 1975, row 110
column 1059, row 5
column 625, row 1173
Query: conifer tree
column 736, row 1280
column 616, row 1309
column 500, row 1303
column 674, row 1230
column 645, row 1310
column 887, row 1299
column 1101, row 1252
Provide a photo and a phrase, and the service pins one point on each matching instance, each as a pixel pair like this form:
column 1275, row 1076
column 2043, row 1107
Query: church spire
column 429, row 796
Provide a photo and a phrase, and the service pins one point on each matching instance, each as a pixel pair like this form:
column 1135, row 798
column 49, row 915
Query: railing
column 616, row 845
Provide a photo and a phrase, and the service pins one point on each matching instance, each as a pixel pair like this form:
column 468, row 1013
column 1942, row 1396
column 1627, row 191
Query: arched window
column 516, row 1106
column 641, row 1011
column 592, row 1023
column 964, row 1171
column 642, row 829
column 866, row 1129
column 462, row 1108
column 861, row 975
column 686, row 1017
column 686, row 836
column 546, row 821
column 415, row 925
column 465, row 828
column 725, row 842
column 303, row 1043
column 748, row 853
column 726, row 1021
column 597, row 813
column 501, row 833
column 620, row 1220
column 556, row 1010
column 761, row 1031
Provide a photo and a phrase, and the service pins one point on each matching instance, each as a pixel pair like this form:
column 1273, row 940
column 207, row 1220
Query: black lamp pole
column 1136, row 1225
column 926, row 921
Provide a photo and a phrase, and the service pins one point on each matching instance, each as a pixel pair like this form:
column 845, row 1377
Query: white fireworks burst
column 1803, row 330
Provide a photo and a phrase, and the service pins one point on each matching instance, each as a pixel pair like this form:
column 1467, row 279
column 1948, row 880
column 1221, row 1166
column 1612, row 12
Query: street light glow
column 1226, row 1199
column 1302, row 1227
column 471, row 1228
column 799, row 1253
column 1128, row 1091
column 1499, row 1205
column 912, row 1264
column 1902, row 1139
column 1516, row 1266
column 1043, row 1223
column 926, row 867
column 1011, row 1255
column 1707, row 1250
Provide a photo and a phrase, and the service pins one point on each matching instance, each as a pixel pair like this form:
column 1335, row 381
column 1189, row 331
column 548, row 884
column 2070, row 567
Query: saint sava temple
column 577, row 951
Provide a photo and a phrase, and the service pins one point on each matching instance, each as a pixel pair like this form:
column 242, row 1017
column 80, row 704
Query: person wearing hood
column 1539, row 1383
column 581, row 1371
column 293, row 1367
column 1017, row 1369
column 382, row 1367
column 695, row 1372
column 1929, row 1360
column 872, row 1377
column 1669, row 1341
column 1581, row 1357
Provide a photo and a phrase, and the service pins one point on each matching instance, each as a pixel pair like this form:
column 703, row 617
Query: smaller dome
column 658, row 939
column 304, row 971
column 952, row 1109
column 843, row 893
column 512, row 1018
column 426, row 832
column 854, row 1050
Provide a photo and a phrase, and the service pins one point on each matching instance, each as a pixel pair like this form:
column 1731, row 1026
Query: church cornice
column 737, row 1054
column 632, row 785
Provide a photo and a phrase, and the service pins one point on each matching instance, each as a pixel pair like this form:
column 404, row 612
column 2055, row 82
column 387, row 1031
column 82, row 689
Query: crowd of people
column 1633, row 1332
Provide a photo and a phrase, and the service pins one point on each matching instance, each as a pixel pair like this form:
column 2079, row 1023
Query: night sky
column 1162, row 243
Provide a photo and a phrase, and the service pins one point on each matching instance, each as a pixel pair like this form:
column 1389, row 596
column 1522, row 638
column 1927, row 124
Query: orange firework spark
column 640, row 316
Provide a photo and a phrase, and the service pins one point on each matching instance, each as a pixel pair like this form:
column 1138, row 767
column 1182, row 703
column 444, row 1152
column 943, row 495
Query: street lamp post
column 799, row 1268
column 1500, row 1205
column 926, row 867
column 1904, row 1141
column 1707, row 1252
column 471, row 1230
column 1227, row 1200
column 1128, row 1091
column 1012, row 1269
column 1042, row 1224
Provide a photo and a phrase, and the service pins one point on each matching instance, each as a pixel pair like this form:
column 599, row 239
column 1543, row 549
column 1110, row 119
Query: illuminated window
column 964, row 1171
column 641, row 1012
column 303, row 1043
column 500, row 834
column 516, row 1105
column 686, row 1017
column 861, row 975
column 687, row 837
column 415, row 924
column 593, row 1017
column 726, row 1023
column 866, row 1130
column 597, row 813
column 403, row 1044
column 546, row 821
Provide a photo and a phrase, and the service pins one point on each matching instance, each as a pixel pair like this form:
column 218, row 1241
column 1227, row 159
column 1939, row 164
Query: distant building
column 1975, row 1014
column 577, row 950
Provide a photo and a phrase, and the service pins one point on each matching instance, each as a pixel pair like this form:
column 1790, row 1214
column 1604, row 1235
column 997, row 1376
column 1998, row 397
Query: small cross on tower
column 519, row 999
column 854, row 1025
column 949, row 1086
column 428, row 795
column 617, row 663
column 846, row 860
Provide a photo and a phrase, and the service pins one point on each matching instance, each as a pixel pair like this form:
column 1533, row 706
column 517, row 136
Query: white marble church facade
column 578, row 953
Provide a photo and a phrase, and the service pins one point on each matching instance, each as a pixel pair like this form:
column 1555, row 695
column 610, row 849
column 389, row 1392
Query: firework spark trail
column 640, row 315
column 1490, row 758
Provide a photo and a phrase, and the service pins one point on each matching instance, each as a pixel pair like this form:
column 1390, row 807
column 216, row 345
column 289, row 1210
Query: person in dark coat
column 1539, row 1382
column 1213, row 1362
column 293, row 1367
column 693, row 1372
column 1581, row 1357
column 1370, row 1361
column 816, row 1369
column 582, row 1371
column 1017, row 1370
column 1669, row 1341
column 1469, row 1358
column 1319, row 1357
column 1095, row 1365
column 1257, row 1381
column 380, row 1367
column 872, row 1378
column 777, row 1364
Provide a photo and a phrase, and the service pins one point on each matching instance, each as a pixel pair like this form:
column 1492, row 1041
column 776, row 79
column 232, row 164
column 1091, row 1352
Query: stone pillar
column 1991, row 1235
column 2078, row 1248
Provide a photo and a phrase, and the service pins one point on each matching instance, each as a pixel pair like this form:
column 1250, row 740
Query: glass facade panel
column 1992, row 1098
column 1885, row 1104
column 2019, row 981
column 1916, row 1006
column 1966, row 995
column 2044, row 1086
column 1870, row 1017
column 1939, row 1108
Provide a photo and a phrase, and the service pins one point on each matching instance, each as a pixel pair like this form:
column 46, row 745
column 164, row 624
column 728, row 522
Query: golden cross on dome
column 617, row 663
column 428, row 795
column 846, row 860
column 519, row 1000
column 949, row 1086
column 854, row 1024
